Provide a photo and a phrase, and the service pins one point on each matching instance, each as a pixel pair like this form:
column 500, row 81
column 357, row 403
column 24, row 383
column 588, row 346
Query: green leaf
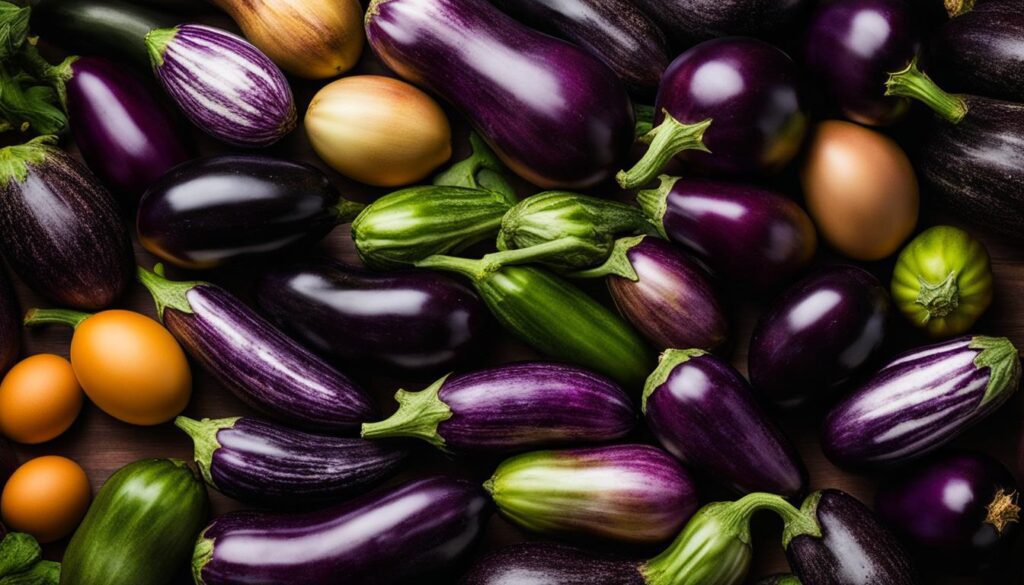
column 13, row 29
column 41, row 573
column 18, row 552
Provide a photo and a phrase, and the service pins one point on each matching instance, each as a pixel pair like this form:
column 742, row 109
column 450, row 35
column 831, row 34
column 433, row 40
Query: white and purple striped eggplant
column 223, row 84
column 921, row 400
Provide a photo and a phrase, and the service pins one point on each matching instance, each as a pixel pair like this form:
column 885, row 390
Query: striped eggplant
column 403, row 534
column 511, row 408
column 979, row 50
column 60, row 229
column 625, row 493
column 255, row 360
column 223, row 84
column 921, row 400
column 10, row 333
column 691, row 21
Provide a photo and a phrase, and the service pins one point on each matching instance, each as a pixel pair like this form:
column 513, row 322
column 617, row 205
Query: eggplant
column 10, row 336
column 702, row 411
column 780, row 580
column 255, row 360
column 921, row 400
column 215, row 210
column 60, row 229
column 750, row 236
column 959, row 510
column 257, row 461
column 223, row 84
column 978, row 51
column 728, row 106
column 512, row 407
column 818, row 334
column 548, row 563
column 554, row 114
column 411, row 320
column 691, row 21
column 626, row 493
column 395, row 535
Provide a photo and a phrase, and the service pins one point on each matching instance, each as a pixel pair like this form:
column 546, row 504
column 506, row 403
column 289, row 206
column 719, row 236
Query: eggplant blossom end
column 1001, row 358
column 156, row 44
column 204, row 436
column 201, row 555
column 1003, row 510
column 166, row 293
column 16, row 159
column 418, row 416
column 939, row 300
column 667, row 363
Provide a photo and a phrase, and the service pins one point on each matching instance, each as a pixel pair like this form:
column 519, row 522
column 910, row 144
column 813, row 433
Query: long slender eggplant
column 703, row 412
column 691, row 21
column 979, row 51
column 921, row 400
column 60, row 229
column 820, row 333
column 211, row 211
column 396, row 535
column 255, row 360
column 10, row 330
column 413, row 320
column 556, row 116
column 511, row 408
column 261, row 462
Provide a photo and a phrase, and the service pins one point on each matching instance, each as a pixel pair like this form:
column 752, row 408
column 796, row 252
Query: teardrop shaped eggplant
column 979, row 50
column 10, row 329
column 692, row 21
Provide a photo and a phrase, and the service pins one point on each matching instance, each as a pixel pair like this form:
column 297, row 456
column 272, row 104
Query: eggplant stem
column 1003, row 362
column 1002, row 510
column 804, row 522
column 617, row 263
column 166, row 293
column 666, row 141
column 480, row 170
column 939, row 300
column 201, row 555
column 347, row 211
column 654, row 202
column 957, row 7
column 418, row 416
column 59, row 316
column 472, row 269
column 204, row 437
column 533, row 254
column 913, row 83
column 667, row 362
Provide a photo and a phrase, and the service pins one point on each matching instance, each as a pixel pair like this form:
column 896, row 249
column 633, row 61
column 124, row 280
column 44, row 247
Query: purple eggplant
column 691, row 21
column 960, row 509
column 626, row 493
column 547, row 563
column 261, row 462
column 980, row 51
column 509, row 408
column 921, row 400
column 728, row 106
column 412, row 320
column 10, row 331
column 212, row 211
column 818, row 334
column 749, row 235
column 397, row 535
column 703, row 412
column 255, row 360
column 223, row 84
column 60, row 229
column 554, row 114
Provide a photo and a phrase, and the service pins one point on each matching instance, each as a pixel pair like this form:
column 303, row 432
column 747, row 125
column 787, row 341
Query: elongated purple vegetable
column 511, row 407
column 10, row 327
column 691, row 21
column 223, row 84
column 397, row 535
column 258, row 461
column 921, row 400
column 979, row 50
column 253, row 359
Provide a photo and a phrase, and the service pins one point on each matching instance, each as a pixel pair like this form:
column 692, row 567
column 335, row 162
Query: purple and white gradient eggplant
column 223, row 84
column 255, row 360
column 10, row 329
column 702, row 411
column 979, row 50
column 691, row 21
column 627, row 493
column 921, row 400
column 511, row 408
column 402, row 534
column 261, row 462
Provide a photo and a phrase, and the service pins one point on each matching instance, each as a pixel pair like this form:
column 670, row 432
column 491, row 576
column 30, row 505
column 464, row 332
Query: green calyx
column 913, row 83
column 667, row 363
column 617, row 263
column 204, row 437
column 1003, row 362
column 418, row 416
column 666, row 141
column 156, row 44
column 804, row 522
column 166, row 293
column 15, row 160
column 346, row 210
column 68, row 317
column 41, row 573
column 654, row 202
column 18, row 552
column 480, row 170
column 201, row 555
column 939, row 300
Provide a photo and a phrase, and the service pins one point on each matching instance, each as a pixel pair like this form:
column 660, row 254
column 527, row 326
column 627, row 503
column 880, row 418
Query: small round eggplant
column 979, row 51
column 820, row 333
column 10, row 329
column 691, row 21
column 511, row 408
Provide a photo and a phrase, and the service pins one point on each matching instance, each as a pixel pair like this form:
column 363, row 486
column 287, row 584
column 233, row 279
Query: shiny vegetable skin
column 140, row 528
column 703, row 412
column 978, row 51
column 254, row 359
column 690, row 21
column 502, row 76
column 10, row 327
column 396, row 535
column 547, row 563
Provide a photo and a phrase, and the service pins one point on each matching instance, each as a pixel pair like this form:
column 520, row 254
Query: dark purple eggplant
column 261, row 462
column 980, row 51
column 397, row 535
column 412, row 320
column 728, row 106
column 614, row 31
column 547, row 563
column 703, row 412
column 691, row 21
column 510, row 408
column 554, row 114
column 960, row 509
column 10, row 331
column 255, row 360
column 749, row 235
column 818, row 334
column 921, row 400
column 60, row 229
column 211, row 211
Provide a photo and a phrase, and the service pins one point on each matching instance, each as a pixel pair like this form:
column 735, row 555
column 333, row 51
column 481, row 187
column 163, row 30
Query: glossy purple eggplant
column 980, row 51
column 960, row 510
column 921, row 400
column 513, row 407
column 257, row 461
column 750, row 236
column 818, row 334
column 547, row 563
column 554, row 114
column 60, row 229
column 397, row 535
column 702, row 411
column 254, row 359
column 10, row 329
column 411, row 320
column 691, row 21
